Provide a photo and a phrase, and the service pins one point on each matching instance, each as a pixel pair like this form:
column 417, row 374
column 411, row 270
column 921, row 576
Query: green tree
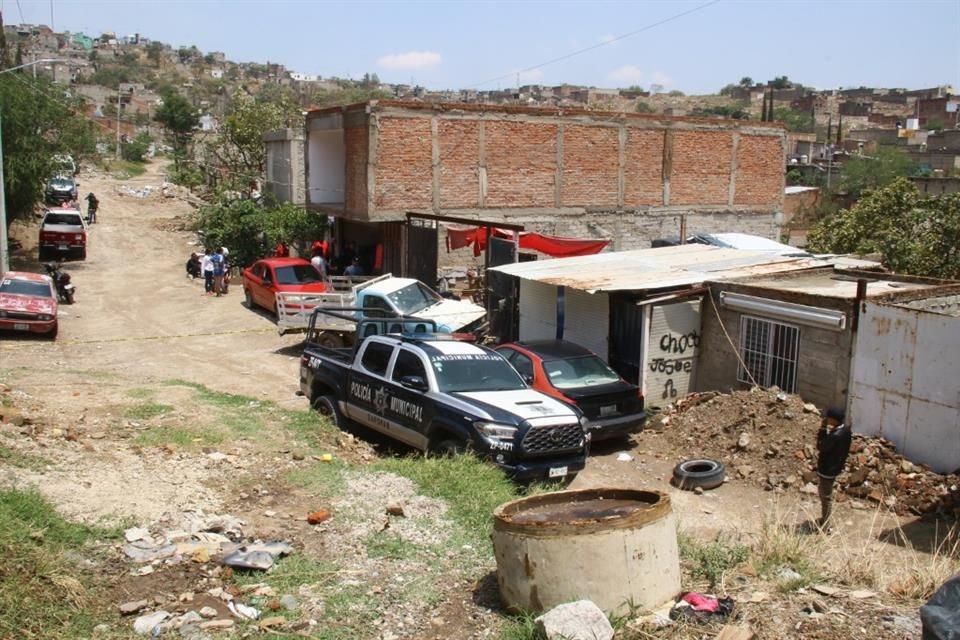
column 238, row 149
column 780, row 82
column 38, row 123
column 746, row 82
column 135, row 150
column 643, row 107
column 676, row 93
column 860, row 173
column 154, row 52
column 914, row 233
column 179, row 119
column 794, row 120
column 250, row 229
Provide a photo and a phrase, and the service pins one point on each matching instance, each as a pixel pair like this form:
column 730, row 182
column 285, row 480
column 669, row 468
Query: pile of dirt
column 768, row 438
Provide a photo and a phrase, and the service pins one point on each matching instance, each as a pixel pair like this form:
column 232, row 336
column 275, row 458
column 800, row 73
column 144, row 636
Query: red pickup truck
column 63, row 231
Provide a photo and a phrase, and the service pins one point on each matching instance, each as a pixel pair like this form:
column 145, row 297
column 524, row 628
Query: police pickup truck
column 439, row 394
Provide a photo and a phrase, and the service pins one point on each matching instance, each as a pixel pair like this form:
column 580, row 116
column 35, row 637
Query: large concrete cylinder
column 611, row 546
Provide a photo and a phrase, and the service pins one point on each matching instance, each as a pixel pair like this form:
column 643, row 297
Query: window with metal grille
column 769, row 350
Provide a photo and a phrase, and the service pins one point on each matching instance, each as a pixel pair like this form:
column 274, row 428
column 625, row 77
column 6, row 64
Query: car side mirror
column 414, row 382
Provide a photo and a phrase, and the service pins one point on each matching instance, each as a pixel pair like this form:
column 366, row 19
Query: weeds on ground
column 711, row 560
column 22, row 460
column 521, row 627
column 780, row 546
column 124, row 169
column 471, row 488
column 385, row 544
column 40, row 595
column 147, row 410
column 183, row 437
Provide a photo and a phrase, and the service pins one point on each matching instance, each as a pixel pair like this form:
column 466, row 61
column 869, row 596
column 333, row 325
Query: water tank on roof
column 804, row 159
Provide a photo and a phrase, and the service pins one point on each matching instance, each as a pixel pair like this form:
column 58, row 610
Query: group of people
column 214, row 267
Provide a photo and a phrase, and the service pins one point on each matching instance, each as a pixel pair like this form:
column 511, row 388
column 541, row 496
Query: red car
column 612, row 406
column 264, row 279
column 28, row 303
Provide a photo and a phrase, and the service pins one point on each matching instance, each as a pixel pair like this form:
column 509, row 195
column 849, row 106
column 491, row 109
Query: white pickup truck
column 383, row 296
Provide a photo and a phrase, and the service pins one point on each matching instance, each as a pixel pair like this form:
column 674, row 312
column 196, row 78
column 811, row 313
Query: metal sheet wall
column 538, row 311
column 904, row 383
column 587, row 321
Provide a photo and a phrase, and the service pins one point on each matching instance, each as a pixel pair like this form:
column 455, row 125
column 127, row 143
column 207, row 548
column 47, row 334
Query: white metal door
column 587, row 320
column 671, row 352
column 538, row 311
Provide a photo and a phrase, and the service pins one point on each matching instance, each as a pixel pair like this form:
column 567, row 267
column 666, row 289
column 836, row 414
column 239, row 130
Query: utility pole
column 118, row 122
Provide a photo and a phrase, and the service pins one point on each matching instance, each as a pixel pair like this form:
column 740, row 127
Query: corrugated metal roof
column 660, row 268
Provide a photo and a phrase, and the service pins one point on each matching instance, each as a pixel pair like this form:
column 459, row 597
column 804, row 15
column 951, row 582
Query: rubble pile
column 768, row 438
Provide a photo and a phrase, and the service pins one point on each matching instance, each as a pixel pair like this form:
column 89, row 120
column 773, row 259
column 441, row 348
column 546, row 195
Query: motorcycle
column 61, row 279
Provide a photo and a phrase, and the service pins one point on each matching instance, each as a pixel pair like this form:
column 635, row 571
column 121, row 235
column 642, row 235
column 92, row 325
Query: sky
column 695, row 47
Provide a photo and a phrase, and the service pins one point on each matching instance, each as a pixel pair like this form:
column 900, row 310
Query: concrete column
column 373, row 137
column 622, row 167
column 435, row 139
column 482, row 169
column 733, row 169
column 667, row 164
column 558, row 180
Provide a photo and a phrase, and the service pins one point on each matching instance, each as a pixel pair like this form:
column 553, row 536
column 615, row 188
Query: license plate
column 62, row 247
column 21, row 327
column 609, row 410
column 558, row 472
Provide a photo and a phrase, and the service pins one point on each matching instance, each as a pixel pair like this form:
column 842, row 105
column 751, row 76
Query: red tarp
column 553, row 246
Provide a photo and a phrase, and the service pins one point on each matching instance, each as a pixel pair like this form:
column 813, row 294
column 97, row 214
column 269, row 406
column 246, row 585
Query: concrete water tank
column 611, row 546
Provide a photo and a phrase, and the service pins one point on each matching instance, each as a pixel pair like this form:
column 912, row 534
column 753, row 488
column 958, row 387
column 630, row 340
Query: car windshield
column 298, row 274
column 413, row 298
column 475, row 372
column 587, row 371
column 25, row 288
column 62, row 183
column 63, row 218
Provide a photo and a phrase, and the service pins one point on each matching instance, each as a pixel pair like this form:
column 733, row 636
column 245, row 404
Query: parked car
column 435, row 393
column 63, row 231
column 265, row 278
column 612, row 406
column 61, row 189
column 28, row 303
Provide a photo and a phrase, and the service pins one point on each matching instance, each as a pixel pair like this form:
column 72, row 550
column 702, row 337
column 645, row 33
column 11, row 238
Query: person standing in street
column 219, row 268
column 319, row 263
column 354, row 269
column 206, row 265
column 833, row 447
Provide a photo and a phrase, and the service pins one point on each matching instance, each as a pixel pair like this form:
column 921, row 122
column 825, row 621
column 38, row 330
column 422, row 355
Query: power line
column 22, row 21
column 599, row 44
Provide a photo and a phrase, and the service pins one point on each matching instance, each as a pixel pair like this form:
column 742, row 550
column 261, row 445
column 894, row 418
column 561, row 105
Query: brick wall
column 823, row 365
column 701, row 167
column 404, row 177
column 521, row 164
column 759, row 178
column 643, row 168
column 459, row 163
column 356, row 142
column 590, row 166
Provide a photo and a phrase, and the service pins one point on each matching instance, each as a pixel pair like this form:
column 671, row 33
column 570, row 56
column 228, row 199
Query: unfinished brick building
column 627, row 177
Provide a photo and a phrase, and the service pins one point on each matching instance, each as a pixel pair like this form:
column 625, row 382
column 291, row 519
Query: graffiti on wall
column 677, row 352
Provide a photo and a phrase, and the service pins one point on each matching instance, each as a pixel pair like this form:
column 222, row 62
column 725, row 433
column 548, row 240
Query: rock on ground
column 581, row 620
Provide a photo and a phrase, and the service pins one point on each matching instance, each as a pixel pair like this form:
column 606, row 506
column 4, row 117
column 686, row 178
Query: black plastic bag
column 940, row 617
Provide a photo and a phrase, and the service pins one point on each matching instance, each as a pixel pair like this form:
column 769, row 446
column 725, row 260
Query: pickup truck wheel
column 83, row 254
column 330, row 340
column 327, row 407
column 702, row 472
column 450, row 447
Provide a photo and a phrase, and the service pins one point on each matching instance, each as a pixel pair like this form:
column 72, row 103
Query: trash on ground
column 701, row 607
column 260, row 555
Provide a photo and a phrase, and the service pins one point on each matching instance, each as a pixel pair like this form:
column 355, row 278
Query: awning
column 554, row 246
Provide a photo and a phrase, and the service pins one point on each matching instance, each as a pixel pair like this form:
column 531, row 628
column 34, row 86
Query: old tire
column 327, row 407
column 699, row 472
